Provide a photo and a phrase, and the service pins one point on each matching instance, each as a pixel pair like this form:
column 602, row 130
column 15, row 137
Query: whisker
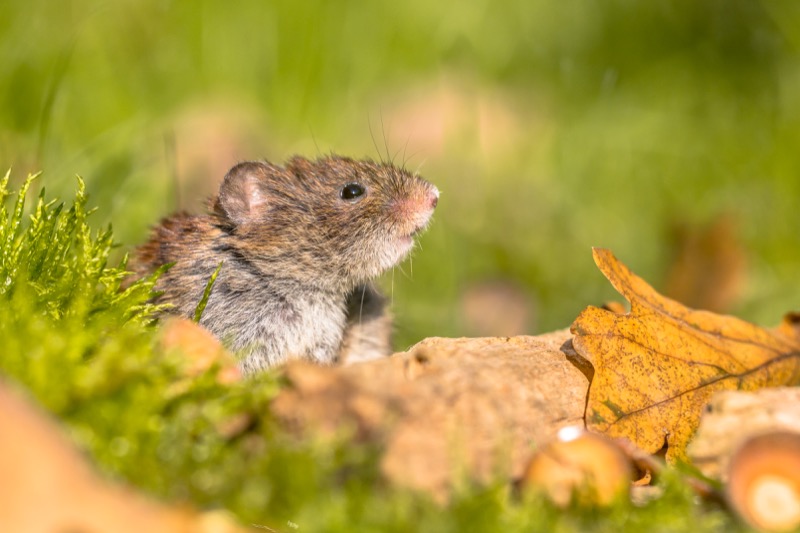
column 404, row 150
column 372, row 134
column 395, row 268
column 400, row 268
column 314, row 138
column 395, row 157
column 385, row 141
column 416, row 172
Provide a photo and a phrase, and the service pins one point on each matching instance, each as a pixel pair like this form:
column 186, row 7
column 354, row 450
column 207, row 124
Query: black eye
column 351, row 191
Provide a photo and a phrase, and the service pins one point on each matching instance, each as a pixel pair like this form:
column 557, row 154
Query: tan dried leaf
column 657, row 366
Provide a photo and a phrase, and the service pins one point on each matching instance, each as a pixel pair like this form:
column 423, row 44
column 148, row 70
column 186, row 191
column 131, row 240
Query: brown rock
column 47, row 486
column 446, row 406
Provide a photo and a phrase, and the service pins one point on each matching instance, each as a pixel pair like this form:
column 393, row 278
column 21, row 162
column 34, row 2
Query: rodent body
column 298, row 246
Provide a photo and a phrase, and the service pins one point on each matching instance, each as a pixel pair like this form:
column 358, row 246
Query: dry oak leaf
column 657, row 366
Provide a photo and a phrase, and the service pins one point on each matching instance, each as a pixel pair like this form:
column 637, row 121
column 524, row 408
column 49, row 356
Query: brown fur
column 297, row 257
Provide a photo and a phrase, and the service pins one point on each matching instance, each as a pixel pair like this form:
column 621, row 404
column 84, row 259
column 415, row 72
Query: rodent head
column 333, row 221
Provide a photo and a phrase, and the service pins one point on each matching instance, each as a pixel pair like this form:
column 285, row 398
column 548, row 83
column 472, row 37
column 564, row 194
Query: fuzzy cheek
column 404, row 245
column 394, row 251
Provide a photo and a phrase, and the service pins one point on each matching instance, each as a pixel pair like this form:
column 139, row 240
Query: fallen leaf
column 790, row 325
column 657, row 366
column 201, row 349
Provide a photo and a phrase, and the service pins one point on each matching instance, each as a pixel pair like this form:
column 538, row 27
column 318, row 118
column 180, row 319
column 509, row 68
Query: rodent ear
column 241, row 195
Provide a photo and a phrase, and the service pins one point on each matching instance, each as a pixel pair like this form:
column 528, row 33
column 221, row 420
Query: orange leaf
column 657, row 366
column 201, row 349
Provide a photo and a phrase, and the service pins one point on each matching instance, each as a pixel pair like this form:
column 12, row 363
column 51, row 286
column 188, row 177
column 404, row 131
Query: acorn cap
column 764, row 481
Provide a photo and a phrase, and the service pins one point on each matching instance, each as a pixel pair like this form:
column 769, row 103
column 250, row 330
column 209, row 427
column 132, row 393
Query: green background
column 549, row 126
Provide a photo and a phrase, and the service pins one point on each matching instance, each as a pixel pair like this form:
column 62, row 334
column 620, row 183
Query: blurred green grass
column 550, row 127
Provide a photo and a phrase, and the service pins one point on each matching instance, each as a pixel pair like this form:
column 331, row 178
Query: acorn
column 587, row 467
column 764, row 481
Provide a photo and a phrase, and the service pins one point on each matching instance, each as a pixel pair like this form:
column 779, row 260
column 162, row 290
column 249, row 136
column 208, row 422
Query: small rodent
column 299, row 245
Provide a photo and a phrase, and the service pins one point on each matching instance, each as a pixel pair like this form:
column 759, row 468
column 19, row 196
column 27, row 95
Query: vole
column 298, row 244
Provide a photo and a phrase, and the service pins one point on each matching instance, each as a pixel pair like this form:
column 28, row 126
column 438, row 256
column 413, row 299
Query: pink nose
column 434, row 198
